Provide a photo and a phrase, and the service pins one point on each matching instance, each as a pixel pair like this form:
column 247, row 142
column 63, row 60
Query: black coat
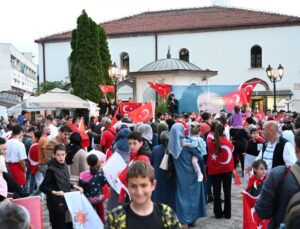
column 57, row 178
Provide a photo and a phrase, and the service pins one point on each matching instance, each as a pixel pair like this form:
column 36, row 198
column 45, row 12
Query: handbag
column 165, row 161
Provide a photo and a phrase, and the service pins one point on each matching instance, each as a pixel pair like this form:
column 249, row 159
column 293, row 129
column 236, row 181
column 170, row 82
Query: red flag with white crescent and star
column 126, row 107
column 143, row 113
column 250, row 218
column 232, row 99
column 260, row 116
column 162, row 89
column 223, row 161
column 248, row 89
column 107, row 89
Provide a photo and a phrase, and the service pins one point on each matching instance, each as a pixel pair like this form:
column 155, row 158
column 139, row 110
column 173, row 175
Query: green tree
column 86, row 64
column 105, row 55
column 49, row 85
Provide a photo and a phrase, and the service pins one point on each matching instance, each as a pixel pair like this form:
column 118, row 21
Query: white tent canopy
column 17, row 109
column 57, row 99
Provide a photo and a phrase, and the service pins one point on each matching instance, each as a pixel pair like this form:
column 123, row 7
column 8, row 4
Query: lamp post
column 274, row 78
column 117, row 73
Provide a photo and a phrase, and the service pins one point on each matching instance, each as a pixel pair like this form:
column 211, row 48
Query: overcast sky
column 23, row 21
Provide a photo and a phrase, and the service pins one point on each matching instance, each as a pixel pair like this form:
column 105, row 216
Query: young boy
column 141, row 212
column 55, row 184
column 254, row 146
column 139, row 151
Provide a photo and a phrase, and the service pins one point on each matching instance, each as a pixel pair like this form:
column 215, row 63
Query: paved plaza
column 209, row 222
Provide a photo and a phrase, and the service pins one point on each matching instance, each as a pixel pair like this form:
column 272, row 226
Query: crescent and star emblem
column 229, row 153
column 144, row 114
column 248, row 91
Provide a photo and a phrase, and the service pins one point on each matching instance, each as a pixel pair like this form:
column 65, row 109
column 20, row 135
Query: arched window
column 256, row 57
column 125, row 60
column 184, row 54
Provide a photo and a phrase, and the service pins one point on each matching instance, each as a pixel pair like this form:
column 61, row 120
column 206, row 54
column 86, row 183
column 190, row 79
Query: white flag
column 248, row 161
column 111, row 169
column 83, row 214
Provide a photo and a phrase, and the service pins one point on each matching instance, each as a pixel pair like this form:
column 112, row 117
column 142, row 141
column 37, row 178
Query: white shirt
column 53, row 131
column 289, row 155
column 2, row 164
column 289, row 135
column 15, row 151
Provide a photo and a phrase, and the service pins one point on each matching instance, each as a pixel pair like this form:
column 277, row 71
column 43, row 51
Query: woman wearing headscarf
column 121, row 147
column 162, row 126
column 165, row 187
column 76, row 156
column 147, row 134
column 190, row 194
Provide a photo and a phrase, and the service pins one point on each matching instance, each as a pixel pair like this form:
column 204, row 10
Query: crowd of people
column 176, row 164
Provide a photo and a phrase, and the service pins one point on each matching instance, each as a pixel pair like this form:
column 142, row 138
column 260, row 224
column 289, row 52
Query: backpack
column 292, row 213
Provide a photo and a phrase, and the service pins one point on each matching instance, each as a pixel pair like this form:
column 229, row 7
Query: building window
column 184, row 54
column 256, row 57
column 125, row 60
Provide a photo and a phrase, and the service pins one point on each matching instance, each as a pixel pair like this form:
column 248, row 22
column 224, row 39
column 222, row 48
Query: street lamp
column 117, row 73
column 274, row 79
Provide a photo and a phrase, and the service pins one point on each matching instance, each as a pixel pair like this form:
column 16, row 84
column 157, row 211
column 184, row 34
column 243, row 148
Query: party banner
column 195, row 98
column 82, row 212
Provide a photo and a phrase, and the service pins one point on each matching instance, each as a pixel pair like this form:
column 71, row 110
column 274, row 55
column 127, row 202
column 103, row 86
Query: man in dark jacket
column 277, row 190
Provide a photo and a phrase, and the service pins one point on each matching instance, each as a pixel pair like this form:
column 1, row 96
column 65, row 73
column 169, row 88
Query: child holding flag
column 92, row 181
column 256, row 181
column 139, row 151
column 251, row 194
column 55, row 184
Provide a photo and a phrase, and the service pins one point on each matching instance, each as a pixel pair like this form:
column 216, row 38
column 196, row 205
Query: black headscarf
column 73, row 147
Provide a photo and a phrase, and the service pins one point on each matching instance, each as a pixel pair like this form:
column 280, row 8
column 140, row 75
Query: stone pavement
column 236, row 221
column 209, row 222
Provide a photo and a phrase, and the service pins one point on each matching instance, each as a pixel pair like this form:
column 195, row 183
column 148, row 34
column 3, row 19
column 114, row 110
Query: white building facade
column 240, row 51
column 17, row 71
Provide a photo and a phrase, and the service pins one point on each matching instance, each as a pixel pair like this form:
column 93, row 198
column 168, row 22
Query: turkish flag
column 162, row 89
column 107, row 89
column 234, row 98
column 34, row 208
column 250, row 218
column 237, row 180
column 223, row 161
column 143, row 113
column 126, row 107
column 248, row 89
column 260, row 116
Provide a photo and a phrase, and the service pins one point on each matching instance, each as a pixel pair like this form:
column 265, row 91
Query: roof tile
column 206, row 18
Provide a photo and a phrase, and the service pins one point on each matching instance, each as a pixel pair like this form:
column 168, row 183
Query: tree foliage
column 87, row 68
column 105, row 55
column 49, row 85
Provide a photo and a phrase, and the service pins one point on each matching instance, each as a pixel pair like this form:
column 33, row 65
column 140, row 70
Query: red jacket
column 223, row 162
column 107, row 138
column 122, row 175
